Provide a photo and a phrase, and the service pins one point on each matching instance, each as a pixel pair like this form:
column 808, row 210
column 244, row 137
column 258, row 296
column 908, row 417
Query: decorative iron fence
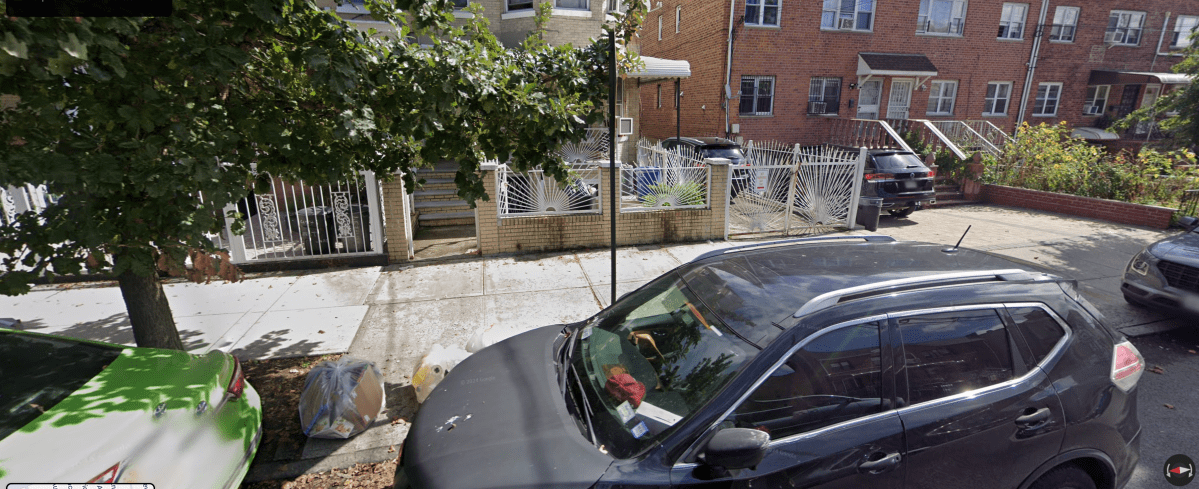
column 25, row 198
column 664, row 179
column 533, row 193
column 781, row 190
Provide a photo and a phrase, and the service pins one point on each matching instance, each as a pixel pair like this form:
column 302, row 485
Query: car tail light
column 238, row 383
column 879, row 176
column 108, row 476
column 1127, row 366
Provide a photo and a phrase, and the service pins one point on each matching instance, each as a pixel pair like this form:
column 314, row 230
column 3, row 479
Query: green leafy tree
column 148, row 127
column 1180, row 107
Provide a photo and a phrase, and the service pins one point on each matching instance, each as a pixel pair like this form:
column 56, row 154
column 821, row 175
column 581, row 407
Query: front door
column 871, row 94
column 1151, row 94
column 1128, row 101
column 900, row 100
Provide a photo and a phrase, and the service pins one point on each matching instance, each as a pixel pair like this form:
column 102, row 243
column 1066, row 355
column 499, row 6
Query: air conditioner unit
column 1092, row 109
column 1112, row 37
column 624, row 126
column 845, row 24
column 815, row 107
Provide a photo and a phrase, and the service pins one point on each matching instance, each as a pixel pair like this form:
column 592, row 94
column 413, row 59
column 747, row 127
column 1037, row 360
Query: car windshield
column 898, row 162
column 729, row 152
column 651, row 361
column 40, row 372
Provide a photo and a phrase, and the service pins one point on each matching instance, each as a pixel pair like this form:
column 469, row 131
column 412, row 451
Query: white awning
column 658, row 68
column 1166, row 78
column 1093, row 133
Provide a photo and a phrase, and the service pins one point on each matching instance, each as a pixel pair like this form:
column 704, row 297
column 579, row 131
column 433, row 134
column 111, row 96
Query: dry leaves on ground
column 279, row 384
column 379, row 475
column 1157, row 369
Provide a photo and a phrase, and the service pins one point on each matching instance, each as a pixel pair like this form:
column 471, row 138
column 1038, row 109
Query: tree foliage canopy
column 149, row 127
column 1181, row 106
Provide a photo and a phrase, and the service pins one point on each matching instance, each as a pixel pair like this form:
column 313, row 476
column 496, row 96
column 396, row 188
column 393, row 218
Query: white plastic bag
column 434, row 367
column 341, row 399
column 485, row 337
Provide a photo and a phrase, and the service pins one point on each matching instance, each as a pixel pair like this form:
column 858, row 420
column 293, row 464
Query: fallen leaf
column 1157, row 370
column 1168, row 406
column 391, row 449
column 320, row 331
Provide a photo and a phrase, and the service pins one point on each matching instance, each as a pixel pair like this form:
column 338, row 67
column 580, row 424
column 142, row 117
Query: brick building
column 778, row 69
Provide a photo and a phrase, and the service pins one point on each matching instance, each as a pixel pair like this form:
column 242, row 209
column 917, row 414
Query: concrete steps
column 949, row 193
column 436, row 202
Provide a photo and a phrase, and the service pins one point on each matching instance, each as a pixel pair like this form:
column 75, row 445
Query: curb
column 295, row 468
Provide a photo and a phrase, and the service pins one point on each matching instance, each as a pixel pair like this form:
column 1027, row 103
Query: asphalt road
column 1168, row 430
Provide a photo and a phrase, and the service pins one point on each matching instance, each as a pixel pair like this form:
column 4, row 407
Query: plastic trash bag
column 485, row 337
column 341, row 398
column 434, row 367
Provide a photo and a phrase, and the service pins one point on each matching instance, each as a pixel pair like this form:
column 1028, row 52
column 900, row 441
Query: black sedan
column 1165, row 275
column 833, row 362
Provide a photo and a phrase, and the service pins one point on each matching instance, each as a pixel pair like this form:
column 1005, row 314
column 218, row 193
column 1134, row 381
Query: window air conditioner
column 624, row 126
column 1092, row 109
column 815, row 107
column 845, row 24
column 1112, row 37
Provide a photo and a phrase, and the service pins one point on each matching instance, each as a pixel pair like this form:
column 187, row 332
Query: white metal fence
column 794, row 190
column 533, row 193
column 25, row 198
column 296, row 221
column 662, row 179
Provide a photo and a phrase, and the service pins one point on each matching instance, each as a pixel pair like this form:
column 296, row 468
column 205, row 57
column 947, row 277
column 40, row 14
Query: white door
column 1151, row 94
column 871, row 94
column 900, row 100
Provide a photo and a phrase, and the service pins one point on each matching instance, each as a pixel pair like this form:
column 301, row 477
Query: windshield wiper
column 586, row 411
column 564, row 359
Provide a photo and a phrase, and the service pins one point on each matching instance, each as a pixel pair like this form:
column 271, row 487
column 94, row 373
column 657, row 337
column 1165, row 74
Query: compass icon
column 1179, row 470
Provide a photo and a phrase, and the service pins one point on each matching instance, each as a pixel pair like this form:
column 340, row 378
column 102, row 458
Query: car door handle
column 1033, row 419
column 887, row 462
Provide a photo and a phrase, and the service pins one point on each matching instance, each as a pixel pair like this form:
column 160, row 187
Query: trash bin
column 868, row 210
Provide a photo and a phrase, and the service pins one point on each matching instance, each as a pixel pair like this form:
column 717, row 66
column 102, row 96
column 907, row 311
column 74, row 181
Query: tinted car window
column 834, row 378
column 1041, row 331
column 40, row 372
column 730, row 153
column 900, row 161
column 954, row 352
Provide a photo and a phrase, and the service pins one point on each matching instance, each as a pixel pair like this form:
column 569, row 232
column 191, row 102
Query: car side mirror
column 736, row 448
column 1188, row 223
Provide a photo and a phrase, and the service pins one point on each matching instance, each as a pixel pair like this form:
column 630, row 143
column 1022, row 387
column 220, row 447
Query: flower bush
column 1045, row 157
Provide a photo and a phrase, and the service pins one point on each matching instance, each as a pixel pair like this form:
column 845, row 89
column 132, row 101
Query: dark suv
column 900, row 179
column 814, row 362
column 712, row 147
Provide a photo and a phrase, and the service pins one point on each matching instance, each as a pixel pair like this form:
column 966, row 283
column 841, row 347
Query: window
column 659, row 95
column 519, row 5
column 954, row 352
column 998, row 95
column 678, row 18
column 1041, row 332
column 1011, row 21
column 1124, row 27
column 1184, row 27
column 620, row 97
column 1048, row 95
column 941, row 95
column 824, row 96
column 1096, row 100
column 853, row 15
column 757, row 95
column 833, row 378
column 941, row 17
column 1065, row 21
column 460, row 4
column 762, row 12
column 659, row 27
column 575, row 4
column 615, row 6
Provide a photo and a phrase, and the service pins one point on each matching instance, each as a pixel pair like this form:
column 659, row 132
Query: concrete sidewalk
column 393, row 315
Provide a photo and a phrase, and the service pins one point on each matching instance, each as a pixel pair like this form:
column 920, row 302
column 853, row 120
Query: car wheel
column 905, row 212
column 1064, row 477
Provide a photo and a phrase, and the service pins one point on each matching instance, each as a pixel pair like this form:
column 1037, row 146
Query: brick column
column 396, row 216
column 720, row 172
column 972, row 183
column 486, row 213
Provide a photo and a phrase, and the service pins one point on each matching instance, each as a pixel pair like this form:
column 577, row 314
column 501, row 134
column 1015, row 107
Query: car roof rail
column 869, row 238
column 829, row 299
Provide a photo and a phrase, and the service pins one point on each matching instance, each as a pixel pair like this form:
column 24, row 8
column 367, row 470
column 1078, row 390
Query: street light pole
column 612, row 150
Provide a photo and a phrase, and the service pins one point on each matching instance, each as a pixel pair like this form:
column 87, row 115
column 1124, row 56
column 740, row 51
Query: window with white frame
column 574, row 4
column 659, row 27
column 460, row 4
column 678, row 18
column 1048, row 96
column 850, row 15
column 659, row 95
column 999, row 94
column 941, row 95
column 762, row 12
column 620, row 97
column 757, row 95
column 1011, row 21
column 946, row 17
column 615, row 6
column 1184, row 27
column 824, row 95
column 520, row 5
column 1065, row 22
column 1096, row 100
column 1124, row 27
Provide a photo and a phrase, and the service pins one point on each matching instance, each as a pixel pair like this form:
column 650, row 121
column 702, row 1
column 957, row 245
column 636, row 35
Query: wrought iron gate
column 781, row 190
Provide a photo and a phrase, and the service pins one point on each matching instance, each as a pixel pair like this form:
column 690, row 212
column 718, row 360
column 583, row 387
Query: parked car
column 713, row 147
column 853, row 361
column 898, row 177
column 82, row 411
column 1165, row 275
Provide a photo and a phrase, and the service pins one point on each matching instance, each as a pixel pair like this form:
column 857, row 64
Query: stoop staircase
column 437, row 202
column 949, row 192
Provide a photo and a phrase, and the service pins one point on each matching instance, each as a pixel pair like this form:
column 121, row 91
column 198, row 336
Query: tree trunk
column 149, row 312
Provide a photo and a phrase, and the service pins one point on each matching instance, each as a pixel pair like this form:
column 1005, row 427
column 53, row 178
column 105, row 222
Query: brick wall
column 799, row 50
column 395, row 217
column 550, row 233
column 1107, row 210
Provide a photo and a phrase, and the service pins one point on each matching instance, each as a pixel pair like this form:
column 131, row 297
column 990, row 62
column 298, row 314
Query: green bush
column 665, row 195
column 948, row 164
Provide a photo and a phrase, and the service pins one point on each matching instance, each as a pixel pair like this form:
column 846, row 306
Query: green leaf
column 73, row 47
column 13, row 47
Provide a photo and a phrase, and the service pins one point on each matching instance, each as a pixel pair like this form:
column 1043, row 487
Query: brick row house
column 779, row 69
